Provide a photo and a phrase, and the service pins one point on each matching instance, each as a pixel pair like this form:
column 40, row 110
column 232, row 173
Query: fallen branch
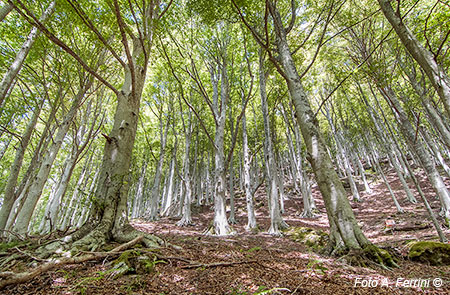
column 411, row 227
column 29, row 255
column 215, row 264
column 13, row 278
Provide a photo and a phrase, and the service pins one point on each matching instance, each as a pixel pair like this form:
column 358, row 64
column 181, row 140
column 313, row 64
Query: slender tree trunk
column 24, row 216
column 170, row 188
column 363, row 176
column 186, row 218
column 309, row 205
column 344, row 230
column 16, row 66
column 155, row 192
column 232, row 217
column 276, row 221
column 439, row 79
column 68, row 208
column 87, row 201
column 251, row 218
column 9, row 196
column 220, row 224
column 139, row 196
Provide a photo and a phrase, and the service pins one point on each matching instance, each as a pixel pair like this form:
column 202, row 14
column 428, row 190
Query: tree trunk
column 139, row 196
column 439, row 79
column 251, row 218
column 4, row 11
column 9, row 196
column 186, row 216
column 276, row 221
column 220, row 224
column 154, row 194
column 344, row 230
column 24, row 216
column 16, row 66
column 170, row 189
column 109, row 215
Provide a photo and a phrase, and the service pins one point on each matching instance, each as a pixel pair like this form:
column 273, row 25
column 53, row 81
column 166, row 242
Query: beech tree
column 119, row 112
column 109, row 219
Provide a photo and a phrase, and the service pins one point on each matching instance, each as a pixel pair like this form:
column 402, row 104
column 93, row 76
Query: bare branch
column 31, row 18
column 165, row 9
column 125, row 45
column 91, row 26
column 292, row 22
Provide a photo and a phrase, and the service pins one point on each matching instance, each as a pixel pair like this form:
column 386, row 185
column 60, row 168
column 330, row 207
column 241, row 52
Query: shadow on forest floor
column 256, row 263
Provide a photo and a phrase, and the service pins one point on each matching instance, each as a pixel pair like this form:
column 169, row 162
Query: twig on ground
column 28, row 254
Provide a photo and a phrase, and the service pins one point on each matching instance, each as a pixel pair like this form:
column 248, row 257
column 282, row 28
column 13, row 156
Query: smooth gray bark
column 4, row 11
column 251, row 218
column 17, row 64
column 24, row 215
column 9, row 195
column 186, row 214
column 344, row 230
column 276, row 221
column 155, row 191
column 437, row 75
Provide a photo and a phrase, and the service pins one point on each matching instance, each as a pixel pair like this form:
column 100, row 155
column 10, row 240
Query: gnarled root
column 11, row 278
column 91, row 241
column 368, row 255
column 128, row 233
column 185, row 222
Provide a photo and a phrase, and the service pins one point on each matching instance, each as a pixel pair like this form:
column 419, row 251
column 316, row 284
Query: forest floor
column 257, row 263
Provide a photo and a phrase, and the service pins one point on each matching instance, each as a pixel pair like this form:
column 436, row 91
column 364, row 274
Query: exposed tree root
column 308, row 214
column 370, row 255
column 232, row 220
column 11, row 278
column 185, row 222
column 219, row 231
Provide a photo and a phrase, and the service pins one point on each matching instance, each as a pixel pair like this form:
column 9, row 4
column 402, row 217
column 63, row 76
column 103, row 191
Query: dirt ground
column 256, row 263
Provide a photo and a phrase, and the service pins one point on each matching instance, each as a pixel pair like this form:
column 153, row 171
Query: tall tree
column 345, row 233
column 108, row 218
column 435, row 72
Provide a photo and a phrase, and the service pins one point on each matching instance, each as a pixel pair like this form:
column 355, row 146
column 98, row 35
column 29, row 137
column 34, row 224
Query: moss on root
column 434, row 253
column 133, row 261
column 315, row 239
column 369, row 256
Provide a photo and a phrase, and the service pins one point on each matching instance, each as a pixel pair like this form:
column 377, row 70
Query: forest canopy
column 116, row 112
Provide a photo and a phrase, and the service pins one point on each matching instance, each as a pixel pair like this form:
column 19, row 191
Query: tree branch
column 31, row 18
column 125, row 45
column 91, row 26
column 13, row 278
